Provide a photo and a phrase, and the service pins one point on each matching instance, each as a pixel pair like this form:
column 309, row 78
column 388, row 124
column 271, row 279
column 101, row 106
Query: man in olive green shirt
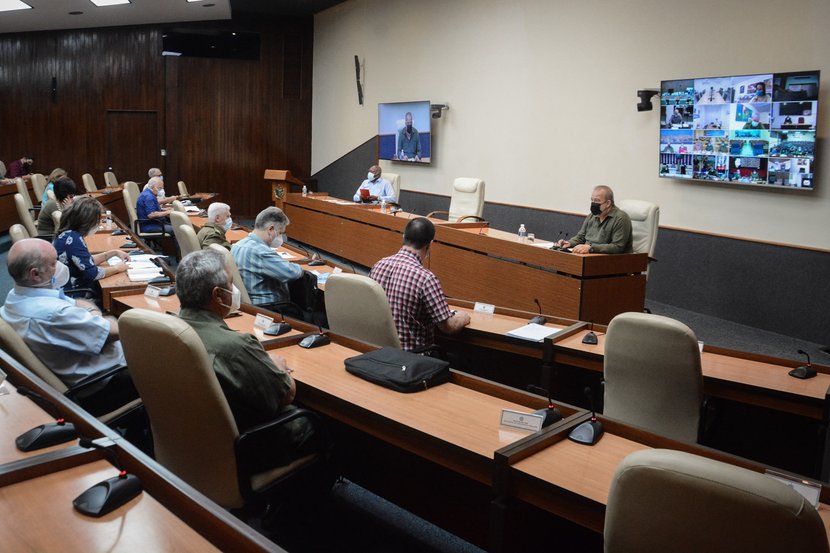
column 219, row 221
column 606, row 230
column 257, row 388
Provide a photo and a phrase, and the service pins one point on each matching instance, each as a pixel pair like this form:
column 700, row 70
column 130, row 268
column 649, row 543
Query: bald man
column 606, row 230
column 69, row 336
column 379, row 190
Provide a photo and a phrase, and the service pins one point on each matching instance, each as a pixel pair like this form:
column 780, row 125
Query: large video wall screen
column 752, row 129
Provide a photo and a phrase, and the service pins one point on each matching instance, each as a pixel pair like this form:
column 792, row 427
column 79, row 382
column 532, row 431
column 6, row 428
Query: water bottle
column 305, row 191
column 522, row 233
column 108, row 220
column 383, row 206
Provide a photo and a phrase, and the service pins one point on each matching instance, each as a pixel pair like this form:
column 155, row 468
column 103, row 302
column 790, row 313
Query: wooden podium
column 281, row 181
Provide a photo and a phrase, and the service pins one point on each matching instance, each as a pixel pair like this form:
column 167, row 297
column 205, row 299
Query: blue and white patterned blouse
column 73, row 252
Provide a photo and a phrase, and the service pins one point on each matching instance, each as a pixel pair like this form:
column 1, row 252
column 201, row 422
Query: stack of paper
column 143, row 275
column 532, row 332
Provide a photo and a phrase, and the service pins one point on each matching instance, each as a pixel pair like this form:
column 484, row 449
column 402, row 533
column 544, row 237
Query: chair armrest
column 137, row 228
column 476, row 217
column 433, row 213
column 72, row 392
column 253, row 443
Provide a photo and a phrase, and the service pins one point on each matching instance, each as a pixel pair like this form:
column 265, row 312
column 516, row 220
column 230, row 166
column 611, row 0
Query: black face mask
column 409, row 128
column 595, row 209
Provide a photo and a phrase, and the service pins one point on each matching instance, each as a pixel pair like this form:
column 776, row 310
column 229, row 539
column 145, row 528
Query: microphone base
column 551, row 415
column 108, row 495
column 803, row 372
column 587, row 433
column 538, row 319
column 46, row 435
column 277, row 329
column 590, row 338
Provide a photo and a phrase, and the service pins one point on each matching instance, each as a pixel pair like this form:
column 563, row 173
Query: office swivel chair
column 89, row 183
column 178, row 206
column 188, row 242
column 466, row 201
column 372, row 322
column 235, row 274
column 664, row 500
column 24, row 192
column 38, row 185
column 202, row 444
column 2, row 170
column 135, row 223
column 133, row 188
column 183, row 189
column 110, row 180
column 395, row 180
column 17, row 348
column 18, row 232
column 645, row 218
column 25, row 215
column 652, row 375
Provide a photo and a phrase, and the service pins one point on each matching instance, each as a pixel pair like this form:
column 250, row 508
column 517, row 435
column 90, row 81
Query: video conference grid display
column 750, row 129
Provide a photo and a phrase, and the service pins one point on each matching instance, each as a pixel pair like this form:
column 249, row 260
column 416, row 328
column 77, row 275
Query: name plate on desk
column 484, row 308
column 523, row 421
column 262, row 321
column 810, row 490
column 152, row 292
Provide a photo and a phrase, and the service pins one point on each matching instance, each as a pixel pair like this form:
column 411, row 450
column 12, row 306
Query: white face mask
column 278, row 240
column 59, row 279
column 236, row 298
column 161, row 194
column 228, row 224
column 371, row 176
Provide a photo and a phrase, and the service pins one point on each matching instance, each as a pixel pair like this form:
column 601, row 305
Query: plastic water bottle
column 108, row 220
column 305, row 191
column 522, row 233
column 383, row 206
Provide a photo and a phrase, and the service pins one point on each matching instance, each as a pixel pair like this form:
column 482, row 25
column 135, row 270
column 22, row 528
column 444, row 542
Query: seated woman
column 50, row 183
column 79, row 220
column 65, row 191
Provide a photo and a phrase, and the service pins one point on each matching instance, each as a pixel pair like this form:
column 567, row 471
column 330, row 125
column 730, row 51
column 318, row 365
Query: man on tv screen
column 754, row 122
column 409, row 141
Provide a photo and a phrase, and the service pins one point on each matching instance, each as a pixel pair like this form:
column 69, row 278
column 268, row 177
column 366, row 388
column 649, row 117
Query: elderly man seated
column 69, row 336
column 219, row 221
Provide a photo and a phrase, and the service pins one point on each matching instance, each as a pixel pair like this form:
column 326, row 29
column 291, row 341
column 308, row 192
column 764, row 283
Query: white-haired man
column 219, row 221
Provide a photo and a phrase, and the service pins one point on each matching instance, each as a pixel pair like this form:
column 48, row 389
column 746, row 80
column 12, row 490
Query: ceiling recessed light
column 208, row 5
column 76, row 13
column 194, row 1
column 101, row 3
column 11, row 5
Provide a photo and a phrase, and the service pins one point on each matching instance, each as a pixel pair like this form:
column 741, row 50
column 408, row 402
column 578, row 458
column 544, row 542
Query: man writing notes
column 377, row 189
column 606, row 230
column 265, row 273
column 409, row 141
column 415, row 295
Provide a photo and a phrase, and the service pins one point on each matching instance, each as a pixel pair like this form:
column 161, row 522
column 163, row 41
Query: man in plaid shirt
column 415, row 295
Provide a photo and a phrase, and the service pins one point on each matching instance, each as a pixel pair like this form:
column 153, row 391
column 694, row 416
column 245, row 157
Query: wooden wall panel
column 222, row 122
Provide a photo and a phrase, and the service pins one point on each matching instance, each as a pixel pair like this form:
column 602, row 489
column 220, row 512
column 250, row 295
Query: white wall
column 542, row 97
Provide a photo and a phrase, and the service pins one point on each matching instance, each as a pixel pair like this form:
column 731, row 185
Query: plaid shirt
column 415, row 296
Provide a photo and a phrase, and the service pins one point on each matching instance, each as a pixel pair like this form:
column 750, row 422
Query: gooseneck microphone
column 804, row 371
column 551, row 413
column 44, row 435
column 315, row 340
column 538, row 319
column 589, row 432
column 590, row 338
column 109, row 494
column 556, row 245
column 278, row 329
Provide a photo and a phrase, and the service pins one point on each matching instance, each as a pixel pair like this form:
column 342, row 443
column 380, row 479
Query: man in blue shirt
column 147, row 207
column 70, row 337
column 379, row 190
column 265, row 273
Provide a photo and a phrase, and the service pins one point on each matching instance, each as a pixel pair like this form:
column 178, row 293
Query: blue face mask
column 228, row 224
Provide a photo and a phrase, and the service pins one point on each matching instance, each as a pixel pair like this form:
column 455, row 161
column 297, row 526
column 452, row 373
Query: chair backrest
column 183, row 189
column 645, row 218
column 14, row 344
column 18, row 232
column 357, row 307
column 133, row 188
column 235, row 275
column 664, row 500
column 130, row 203
column 395, row 180
column 24, row 214
column 38, row 185
column 110, row 180
column 56, row 219
column 201, row 454
column 652, row 375
column 180, row 217
column 51, row 194
column 23, row 191
column 467, row 198
column 177, row 206
column 186, row 237
column 89, row 182
column 2, row 170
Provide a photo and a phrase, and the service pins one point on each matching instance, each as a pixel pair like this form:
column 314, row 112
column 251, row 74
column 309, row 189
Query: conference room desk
column 37, row 489
column 592, row 287
column 112, row 199
column 572, row 480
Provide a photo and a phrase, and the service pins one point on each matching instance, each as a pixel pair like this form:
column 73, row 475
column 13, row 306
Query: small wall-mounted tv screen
column 751, row 129
column 403, row 132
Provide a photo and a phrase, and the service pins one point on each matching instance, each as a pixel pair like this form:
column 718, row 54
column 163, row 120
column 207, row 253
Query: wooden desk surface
column 731, row 369
column 497, row 323
column 17, row 415
column 103, row 241
column 451, row 413
column 45, row 503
